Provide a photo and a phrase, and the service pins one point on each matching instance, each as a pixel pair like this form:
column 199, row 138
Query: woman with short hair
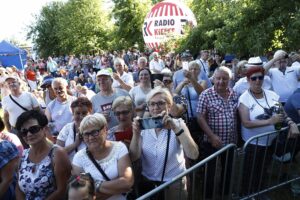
column 107, row 161
column 162, row 149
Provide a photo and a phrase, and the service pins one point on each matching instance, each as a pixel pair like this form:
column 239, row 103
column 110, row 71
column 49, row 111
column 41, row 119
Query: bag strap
column 203, row 66
column 97, row 165
column 25, row 109
column 74, row 135
column 190, row 104
column 166, row 157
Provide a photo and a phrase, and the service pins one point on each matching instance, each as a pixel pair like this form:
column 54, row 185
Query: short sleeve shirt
column 221, row 115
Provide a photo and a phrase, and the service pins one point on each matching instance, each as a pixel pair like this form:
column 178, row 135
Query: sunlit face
column 195, row 70
column 32, row 132
column 119, row 67
column 144, row 76
column 60, row 89
column 158, row 104
column 81, row 193
column 79, row 113
column 221, row 81
column 255, row 81
column 13, row 84
column 142, row 64
column 123, row 114
column 94, row 137
column 104, row 82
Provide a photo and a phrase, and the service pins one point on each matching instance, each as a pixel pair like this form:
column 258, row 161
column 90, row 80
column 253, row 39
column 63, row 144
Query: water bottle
column 278, row 110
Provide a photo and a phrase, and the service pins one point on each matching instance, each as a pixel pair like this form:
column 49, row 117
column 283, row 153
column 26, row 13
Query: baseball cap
column 105, row 72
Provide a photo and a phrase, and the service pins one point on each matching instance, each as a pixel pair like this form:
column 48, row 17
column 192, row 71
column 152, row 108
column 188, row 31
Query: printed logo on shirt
column 106, row 107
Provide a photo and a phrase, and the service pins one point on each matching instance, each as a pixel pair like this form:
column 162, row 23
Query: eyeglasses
column 254, row 78
column 93, row 133
column 33, row 130
column 159, row 104
column 167, row 81
column 125, row 112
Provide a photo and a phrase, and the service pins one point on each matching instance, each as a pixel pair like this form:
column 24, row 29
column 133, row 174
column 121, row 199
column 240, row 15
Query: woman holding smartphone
column 161, row 150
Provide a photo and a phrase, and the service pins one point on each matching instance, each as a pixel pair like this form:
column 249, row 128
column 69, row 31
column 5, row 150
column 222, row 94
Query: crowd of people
column 117, row 125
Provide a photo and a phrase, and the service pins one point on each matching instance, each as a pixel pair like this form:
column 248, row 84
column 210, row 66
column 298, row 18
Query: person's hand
column 293, row 131
column 215, row 141
column 277, row 118
column 168, row 121
column 187, row 74
column 185, row 82
column 136, row 126
column 116, row 76
column 158, row 83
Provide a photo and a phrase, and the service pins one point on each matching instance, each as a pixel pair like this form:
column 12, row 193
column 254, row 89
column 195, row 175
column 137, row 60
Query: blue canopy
column 12, row 55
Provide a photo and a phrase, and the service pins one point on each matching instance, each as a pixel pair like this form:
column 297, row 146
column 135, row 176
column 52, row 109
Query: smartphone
column 185, row 65
column 152, row 122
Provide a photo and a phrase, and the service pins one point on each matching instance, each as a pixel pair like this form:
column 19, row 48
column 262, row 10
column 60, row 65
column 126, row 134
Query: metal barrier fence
column 239, row 173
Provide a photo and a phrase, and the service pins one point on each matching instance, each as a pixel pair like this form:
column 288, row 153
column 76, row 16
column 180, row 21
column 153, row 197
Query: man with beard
column 16, row 103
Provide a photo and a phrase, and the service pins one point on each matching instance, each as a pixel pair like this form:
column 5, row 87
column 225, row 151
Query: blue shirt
column 292, row 106
column 179, row 77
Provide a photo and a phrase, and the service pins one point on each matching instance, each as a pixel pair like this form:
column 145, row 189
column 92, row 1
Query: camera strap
column 166, row 157
column 190, row 104
column 25, row 109
column 91, row 157
column 74, row 132
column 258, row 102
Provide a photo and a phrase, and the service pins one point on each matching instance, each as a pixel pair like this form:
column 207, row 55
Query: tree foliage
column 129, row 17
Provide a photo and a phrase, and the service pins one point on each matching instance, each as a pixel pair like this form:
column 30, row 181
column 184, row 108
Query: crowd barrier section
column 255, row 171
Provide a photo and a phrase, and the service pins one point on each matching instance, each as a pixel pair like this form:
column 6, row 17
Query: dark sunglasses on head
column 93, row 133
column 125, row 112
column 254, row 78
column 33, row 130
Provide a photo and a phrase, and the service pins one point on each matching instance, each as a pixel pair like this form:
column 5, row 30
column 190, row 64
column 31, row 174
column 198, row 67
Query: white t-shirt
column 108, row 164
column 67, row 135
column 138, row 95
column 242, row 85
column 271, row 98
column 127, row 78
column 157, row 65
column 26, row 99
column 284, row 84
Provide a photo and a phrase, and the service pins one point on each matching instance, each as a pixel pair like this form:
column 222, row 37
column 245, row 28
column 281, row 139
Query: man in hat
column 284, row 79
column 18, row 102
column 102, row 101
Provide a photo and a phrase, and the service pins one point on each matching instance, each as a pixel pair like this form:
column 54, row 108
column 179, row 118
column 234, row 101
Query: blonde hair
column 122, row 100
column 96, row 121
column 194, row 64
column 159, row 90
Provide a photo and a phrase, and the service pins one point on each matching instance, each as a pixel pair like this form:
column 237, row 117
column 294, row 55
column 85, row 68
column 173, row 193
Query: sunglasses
column 125, row 112
column 93, row 133
column 167, row 81
column 254, row 78
column 33, row 130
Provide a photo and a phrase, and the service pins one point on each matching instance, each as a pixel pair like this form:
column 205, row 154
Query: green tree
column 83, row 27
column 128, row 17
column 44, row 31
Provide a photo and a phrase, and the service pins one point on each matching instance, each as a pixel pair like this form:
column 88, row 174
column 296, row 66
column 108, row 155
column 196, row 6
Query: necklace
column 258, row 102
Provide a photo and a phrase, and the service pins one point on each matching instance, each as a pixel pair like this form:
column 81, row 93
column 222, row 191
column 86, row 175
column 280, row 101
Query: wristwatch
column 98, row 185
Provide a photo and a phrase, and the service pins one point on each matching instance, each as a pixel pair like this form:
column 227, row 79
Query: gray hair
column 119, row 61
column 223, row 69
column 142, row 58
column 96, row 121
column 122, row 100
column 60, row 80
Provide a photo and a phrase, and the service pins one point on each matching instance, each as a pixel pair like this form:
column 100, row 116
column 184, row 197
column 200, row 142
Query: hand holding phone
column 152, row 122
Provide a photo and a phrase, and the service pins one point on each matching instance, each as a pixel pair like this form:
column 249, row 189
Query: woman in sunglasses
column 123, row 109
column 107, row 161
column 44, row 169
column 139, row 92
column 161, row 146
column 69, row 136
column 255, row 109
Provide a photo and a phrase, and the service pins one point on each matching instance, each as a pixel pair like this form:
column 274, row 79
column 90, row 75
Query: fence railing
column 241, row 173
